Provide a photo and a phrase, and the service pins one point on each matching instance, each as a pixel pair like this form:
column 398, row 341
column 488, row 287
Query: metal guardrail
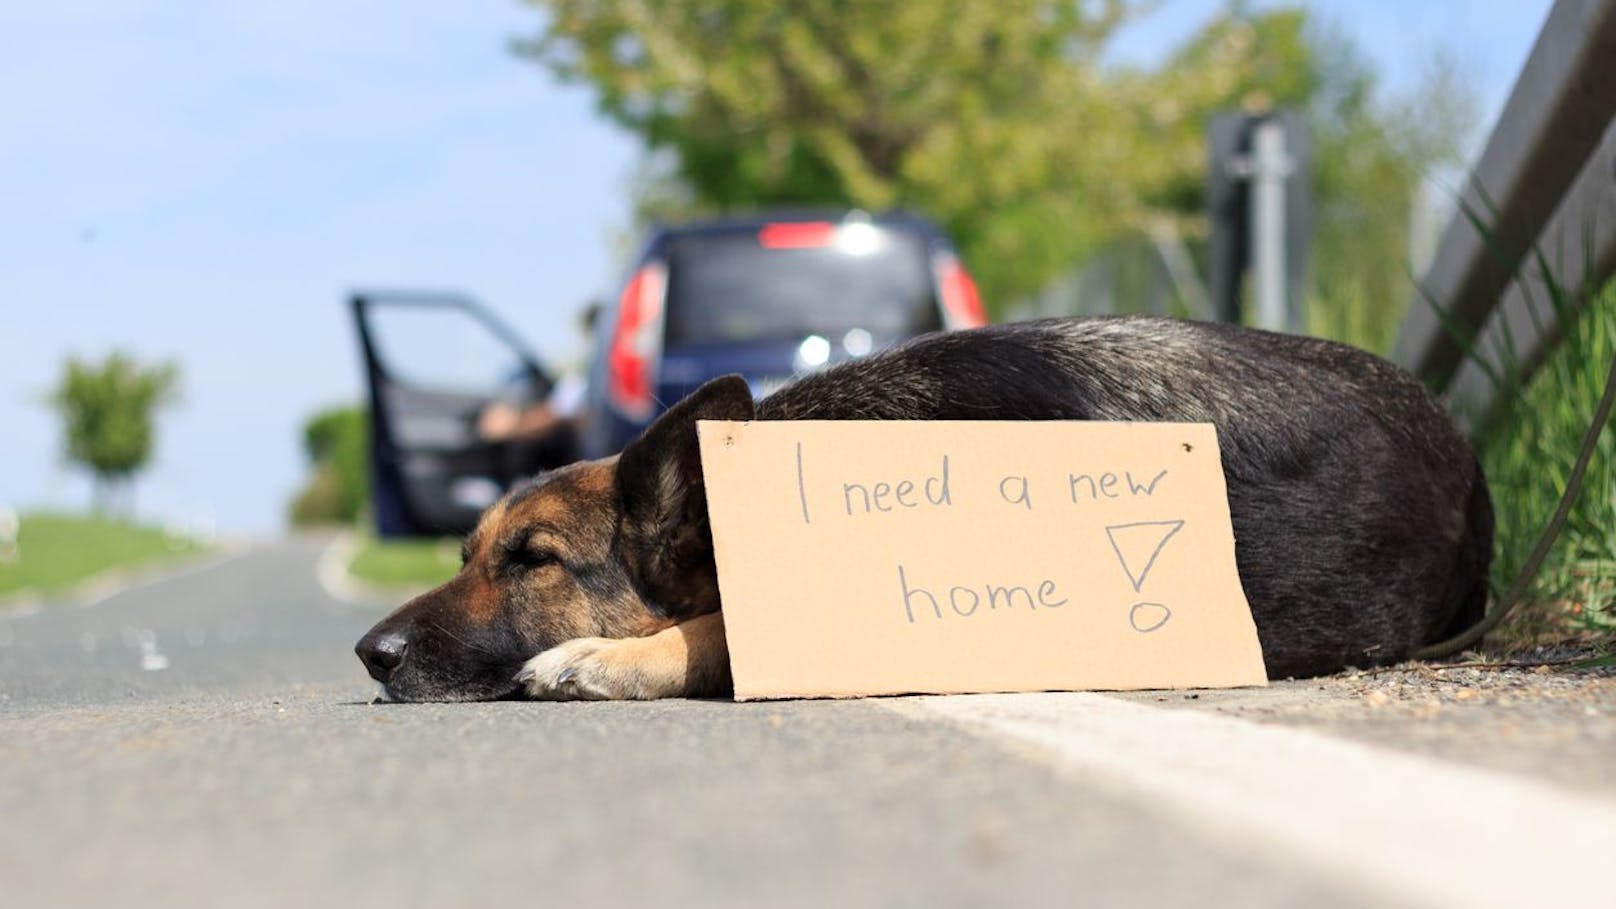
column 1545, row 185
column 1578, row 252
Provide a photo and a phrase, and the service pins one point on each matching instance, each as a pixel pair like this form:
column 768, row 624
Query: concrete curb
column 341, row 585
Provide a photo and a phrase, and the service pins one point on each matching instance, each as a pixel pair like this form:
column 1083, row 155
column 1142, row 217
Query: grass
column 1527, row 455
column 406, row 563
column 58, row 550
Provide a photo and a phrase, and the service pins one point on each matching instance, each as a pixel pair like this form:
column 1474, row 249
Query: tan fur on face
column 570, row 513
column 545, row 569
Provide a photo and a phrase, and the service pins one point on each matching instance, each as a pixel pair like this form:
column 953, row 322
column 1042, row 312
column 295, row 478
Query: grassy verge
column 406, row 563
column 1527, row 457
column 57, row 550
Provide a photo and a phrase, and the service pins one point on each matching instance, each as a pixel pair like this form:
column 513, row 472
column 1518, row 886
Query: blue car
column 768, row 297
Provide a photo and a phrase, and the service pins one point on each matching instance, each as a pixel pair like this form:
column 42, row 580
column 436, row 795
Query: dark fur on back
column 1362, row 522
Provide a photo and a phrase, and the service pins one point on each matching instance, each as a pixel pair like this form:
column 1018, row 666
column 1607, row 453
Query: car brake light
column 962, row 304
column 637, row 342
column 797, row 235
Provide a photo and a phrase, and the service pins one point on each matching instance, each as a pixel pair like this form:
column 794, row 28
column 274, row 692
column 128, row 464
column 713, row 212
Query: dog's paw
column 588, row 669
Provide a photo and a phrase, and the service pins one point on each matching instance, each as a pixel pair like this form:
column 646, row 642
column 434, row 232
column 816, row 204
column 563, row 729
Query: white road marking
column 1412, row 828
column 151, row 659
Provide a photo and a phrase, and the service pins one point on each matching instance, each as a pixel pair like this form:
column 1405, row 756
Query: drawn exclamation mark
column 1137, row 546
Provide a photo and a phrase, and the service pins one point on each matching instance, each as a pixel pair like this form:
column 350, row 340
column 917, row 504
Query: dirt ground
column 1532, row 712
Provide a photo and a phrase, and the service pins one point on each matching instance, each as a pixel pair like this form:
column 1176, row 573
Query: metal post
column 1226, row 198
column 1270, row 167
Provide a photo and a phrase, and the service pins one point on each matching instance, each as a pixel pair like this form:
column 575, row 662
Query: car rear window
column 732, row 287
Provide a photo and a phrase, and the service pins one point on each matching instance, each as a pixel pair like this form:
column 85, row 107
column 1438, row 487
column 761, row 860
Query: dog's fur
column 1362, row 520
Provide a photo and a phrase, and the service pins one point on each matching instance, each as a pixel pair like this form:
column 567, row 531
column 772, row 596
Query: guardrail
column 1544, row 189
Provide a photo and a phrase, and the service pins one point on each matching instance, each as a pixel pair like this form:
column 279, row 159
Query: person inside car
column 537, row 430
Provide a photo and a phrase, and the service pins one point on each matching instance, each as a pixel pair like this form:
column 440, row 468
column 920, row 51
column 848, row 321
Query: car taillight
column 637, row 343
column 962, row 304
column 797, row 235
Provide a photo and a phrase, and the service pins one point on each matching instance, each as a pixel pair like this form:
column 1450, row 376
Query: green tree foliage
column 334, row 442
column 997, row 118
column 107, row 411
column 971, row 112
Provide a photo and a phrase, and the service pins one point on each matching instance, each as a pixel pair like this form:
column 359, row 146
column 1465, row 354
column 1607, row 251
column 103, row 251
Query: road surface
column 208, row 739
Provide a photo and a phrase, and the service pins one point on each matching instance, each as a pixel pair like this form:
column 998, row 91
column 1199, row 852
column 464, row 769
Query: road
column 208, row 739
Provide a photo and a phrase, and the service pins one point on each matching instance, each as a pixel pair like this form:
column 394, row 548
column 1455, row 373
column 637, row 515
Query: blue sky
column 203, row 181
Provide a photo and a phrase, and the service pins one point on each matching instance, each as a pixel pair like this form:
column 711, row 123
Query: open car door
column 434, row 362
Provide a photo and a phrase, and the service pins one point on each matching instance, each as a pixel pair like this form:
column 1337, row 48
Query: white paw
column 576, row 670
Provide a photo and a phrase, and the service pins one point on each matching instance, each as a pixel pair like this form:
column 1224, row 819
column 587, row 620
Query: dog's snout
column 381, row 652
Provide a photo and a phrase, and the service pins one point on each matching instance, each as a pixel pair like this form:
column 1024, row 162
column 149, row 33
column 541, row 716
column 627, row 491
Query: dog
column 1362, row 521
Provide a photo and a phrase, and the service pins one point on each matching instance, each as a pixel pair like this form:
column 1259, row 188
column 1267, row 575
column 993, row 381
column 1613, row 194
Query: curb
column 341, row 585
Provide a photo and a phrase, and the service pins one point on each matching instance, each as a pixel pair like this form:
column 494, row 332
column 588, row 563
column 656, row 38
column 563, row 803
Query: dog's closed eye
column 527, row 555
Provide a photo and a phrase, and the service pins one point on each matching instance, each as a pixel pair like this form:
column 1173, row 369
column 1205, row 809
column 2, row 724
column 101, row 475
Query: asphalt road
column 209, row 739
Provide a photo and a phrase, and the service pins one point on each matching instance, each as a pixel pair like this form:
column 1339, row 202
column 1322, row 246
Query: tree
column 991, row 117
column 107, row 411
column 334, row 442
column 998, row 119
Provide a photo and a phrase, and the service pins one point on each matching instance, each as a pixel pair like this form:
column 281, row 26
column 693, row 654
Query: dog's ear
column 664, row 535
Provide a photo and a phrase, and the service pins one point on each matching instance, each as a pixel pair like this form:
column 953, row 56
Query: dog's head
column 612, row 548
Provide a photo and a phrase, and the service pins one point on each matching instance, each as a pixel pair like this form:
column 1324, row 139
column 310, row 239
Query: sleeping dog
column 1362, row 521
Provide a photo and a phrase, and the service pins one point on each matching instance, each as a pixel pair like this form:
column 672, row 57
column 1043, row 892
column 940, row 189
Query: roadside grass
column 406, row 563
column 57, row 550
column 1527, row 455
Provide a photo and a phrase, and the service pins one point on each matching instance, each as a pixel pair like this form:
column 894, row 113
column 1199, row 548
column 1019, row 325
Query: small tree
column 334, row 441
column 107, row 410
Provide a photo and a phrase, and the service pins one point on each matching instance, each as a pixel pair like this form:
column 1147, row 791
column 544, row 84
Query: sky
column 205, row 181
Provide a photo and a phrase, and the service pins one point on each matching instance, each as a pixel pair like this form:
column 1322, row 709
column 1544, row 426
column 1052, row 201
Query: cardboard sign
column 862, row 558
